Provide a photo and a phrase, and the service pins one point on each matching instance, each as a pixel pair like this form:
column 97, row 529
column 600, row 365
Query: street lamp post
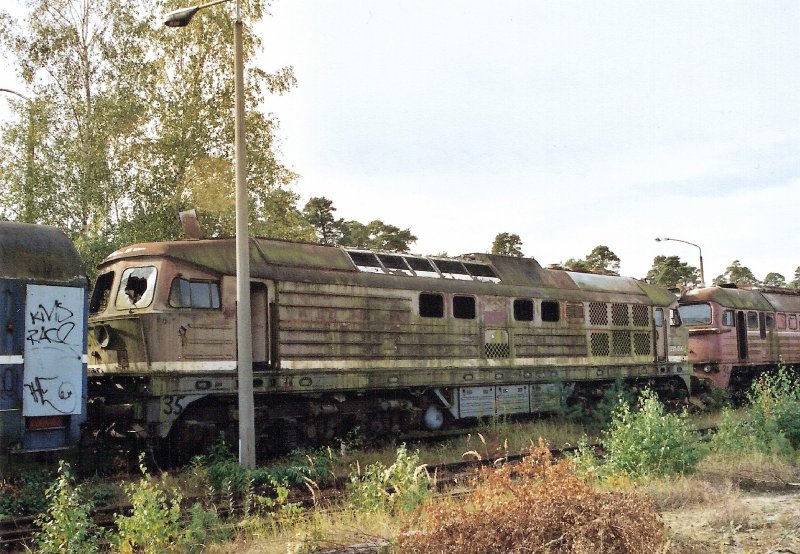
column 247, row 452
column 702, row 273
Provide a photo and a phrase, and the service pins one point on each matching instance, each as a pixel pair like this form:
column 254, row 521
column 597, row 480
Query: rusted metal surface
column 38, row 253
column 335, row 340
column 750, row 330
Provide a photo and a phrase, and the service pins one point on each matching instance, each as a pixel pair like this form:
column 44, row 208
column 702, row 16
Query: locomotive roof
column 768, row 299
column 38, row 253
column 274, row 258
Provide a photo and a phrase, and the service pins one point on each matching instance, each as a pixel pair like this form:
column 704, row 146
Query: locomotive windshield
column 695, row 314
column 136, row 287
column 102, row 291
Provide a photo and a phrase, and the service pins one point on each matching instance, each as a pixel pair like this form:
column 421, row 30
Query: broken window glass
column 136, row 287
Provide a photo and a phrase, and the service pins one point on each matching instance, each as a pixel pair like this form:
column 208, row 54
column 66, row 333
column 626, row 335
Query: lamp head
column 180, row 17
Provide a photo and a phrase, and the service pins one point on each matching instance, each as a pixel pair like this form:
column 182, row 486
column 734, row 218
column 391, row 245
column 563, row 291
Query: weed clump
column 401, row 487
column 771, row 420
column 66, row 525
column 539, row 505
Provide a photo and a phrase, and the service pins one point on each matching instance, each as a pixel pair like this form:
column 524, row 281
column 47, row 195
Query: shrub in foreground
column 537, row 506
column 648, row 441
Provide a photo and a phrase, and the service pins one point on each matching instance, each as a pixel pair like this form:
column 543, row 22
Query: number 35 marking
column 172, row 405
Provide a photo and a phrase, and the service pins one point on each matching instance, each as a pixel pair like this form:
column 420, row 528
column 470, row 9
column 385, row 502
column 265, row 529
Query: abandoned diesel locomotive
column 344, row 338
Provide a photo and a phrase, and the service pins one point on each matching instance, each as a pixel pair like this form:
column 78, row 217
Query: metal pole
column 247, row 439
column 702, row 273
column 700, row 250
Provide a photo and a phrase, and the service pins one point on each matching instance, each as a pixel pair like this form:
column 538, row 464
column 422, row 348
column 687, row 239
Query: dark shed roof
column 38, row 253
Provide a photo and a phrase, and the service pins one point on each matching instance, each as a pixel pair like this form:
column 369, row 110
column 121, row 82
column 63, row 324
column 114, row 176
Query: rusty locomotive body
column 345, row 338
column 43, row 350
column 735, row 333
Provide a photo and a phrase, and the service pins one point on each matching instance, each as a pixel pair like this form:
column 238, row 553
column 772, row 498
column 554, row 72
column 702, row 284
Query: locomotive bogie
column 356, row 338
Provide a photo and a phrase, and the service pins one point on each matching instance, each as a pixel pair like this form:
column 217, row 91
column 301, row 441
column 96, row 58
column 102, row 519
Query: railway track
column 17, row 533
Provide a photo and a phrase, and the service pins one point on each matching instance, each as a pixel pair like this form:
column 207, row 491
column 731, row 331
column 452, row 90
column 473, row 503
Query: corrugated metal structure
column 346, row 336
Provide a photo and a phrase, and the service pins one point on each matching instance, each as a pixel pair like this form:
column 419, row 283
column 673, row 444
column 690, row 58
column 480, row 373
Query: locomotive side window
column 431, row 305
column 551, row 311
column 752, row 320
column 791, row 322
column 393, row 262
column 136, row 287
column 727, row 318
column 194, row 294
column 658, row 317
column 102, row 292
column 420, row 264
column 365, row 261
column 464, row 307
column 695, row 314
column 770, row 320
column 780, row 320
column 675, row 318
column 523, row 310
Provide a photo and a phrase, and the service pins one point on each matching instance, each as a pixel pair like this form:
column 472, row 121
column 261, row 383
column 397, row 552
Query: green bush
column 223, row 473
column 66, row 524
column 400, row 487
column 650, row 441
column 770, row 421
column 154, row 525
column 204, row 528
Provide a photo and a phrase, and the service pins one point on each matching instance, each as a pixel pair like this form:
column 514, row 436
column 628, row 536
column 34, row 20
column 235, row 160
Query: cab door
column 660, row 334
column 741, row 334
column 262, row 306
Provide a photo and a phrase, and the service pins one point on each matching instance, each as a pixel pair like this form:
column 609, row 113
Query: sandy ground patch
column 751, row 523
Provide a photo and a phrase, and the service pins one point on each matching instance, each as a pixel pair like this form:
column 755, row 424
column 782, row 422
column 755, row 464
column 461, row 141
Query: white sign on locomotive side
column 53, row 351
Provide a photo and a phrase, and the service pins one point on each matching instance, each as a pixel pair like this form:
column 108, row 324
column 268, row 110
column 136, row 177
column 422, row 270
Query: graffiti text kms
column 52, row 326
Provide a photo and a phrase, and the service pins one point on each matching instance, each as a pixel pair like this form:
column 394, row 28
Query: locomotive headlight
column 102, row 334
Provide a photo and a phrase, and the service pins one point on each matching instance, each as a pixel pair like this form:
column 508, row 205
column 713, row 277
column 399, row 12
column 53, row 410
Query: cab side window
column 185, row 293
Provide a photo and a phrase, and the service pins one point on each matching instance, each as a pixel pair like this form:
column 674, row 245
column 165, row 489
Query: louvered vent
column 619, row 315
column 575, row 311
column 621, row 343
column 641, row 344
column 640, row 315
column 495, row 344
column 599, row 343
column 598, row 313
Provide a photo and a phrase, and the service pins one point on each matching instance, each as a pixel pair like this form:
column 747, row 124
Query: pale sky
column 570, row 123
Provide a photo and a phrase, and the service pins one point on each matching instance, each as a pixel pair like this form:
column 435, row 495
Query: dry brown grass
column 675, row 493
column 538, row 506
column 755, row 471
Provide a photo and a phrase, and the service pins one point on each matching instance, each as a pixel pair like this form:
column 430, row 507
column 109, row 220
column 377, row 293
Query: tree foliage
column 670, row 271
column 600, row 260
column 737, row 274
column 795, row 283
column 375, row 235
column 773, row 279
column 507, row 244
column 131, row 122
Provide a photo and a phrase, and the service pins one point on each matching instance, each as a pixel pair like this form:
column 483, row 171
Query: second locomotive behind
column 736, row 333
column 344, row 338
